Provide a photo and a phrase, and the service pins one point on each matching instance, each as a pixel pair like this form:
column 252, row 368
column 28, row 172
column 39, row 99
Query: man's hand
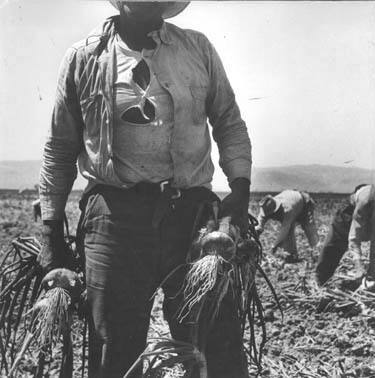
column 236, row 204
column 53, row 251
column 37, row 212
column 259, row 230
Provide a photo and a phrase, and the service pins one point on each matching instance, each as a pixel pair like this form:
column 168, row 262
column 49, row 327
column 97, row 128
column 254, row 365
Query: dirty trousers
column 335, row 244
column 126, row 259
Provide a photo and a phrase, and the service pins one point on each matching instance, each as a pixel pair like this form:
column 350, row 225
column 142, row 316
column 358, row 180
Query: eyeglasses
column 144, row 112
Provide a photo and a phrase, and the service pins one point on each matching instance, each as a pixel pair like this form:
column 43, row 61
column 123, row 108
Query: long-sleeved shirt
column 362, row 227
column 292, row 203
column 188, row 67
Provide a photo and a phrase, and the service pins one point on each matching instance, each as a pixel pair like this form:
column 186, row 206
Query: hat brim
column 172, row 10
column 278, row 204
column 270, row 205
column 175, row 8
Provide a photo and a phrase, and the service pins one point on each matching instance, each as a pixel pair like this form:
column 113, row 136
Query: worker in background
column 352, row 224
column 289, row 207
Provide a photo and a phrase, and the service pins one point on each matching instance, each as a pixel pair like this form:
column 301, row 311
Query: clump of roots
column 201, row 279
column 51, row 317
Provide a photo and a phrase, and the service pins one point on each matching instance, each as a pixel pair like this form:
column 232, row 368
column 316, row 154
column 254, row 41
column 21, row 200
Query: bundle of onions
column 220, row 259
column 51, row 316
column 223, row 262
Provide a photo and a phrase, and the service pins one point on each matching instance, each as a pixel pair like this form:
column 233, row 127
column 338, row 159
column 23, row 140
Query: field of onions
column 326, row 332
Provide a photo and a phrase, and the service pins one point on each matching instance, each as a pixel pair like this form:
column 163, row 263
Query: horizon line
column 254, row 166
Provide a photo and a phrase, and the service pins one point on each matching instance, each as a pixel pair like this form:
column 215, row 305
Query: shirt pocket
column 199, row 95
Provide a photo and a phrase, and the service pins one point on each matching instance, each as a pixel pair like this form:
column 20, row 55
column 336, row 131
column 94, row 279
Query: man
column 352, row 224
column 289, row 207
column 132, row 106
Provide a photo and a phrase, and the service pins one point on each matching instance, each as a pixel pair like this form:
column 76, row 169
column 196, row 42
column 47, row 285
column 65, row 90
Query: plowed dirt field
column 326, row 332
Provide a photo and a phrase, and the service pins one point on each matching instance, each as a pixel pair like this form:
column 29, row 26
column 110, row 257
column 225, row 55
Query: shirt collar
column 165, row 35
column 162, row 33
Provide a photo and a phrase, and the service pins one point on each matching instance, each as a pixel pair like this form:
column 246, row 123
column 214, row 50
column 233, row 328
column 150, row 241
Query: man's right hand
column 258, row 230
column 53, row 251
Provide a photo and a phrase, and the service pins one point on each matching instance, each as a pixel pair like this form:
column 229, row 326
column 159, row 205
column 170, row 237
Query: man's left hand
column 259, row 230
column 236, row 204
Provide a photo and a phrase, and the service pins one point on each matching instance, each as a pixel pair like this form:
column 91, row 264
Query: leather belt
column 158, row 188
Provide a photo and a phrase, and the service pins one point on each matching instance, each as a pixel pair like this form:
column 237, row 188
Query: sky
column 303, row 73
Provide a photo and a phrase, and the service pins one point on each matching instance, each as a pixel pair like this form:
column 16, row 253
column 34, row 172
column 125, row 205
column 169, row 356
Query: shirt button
column 107, row 122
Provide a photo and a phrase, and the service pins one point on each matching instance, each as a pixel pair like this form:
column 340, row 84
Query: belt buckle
column 164, row 184
column 177, row 195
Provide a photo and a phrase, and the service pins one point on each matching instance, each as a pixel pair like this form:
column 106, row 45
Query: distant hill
column 24, row 174
column 313, row 178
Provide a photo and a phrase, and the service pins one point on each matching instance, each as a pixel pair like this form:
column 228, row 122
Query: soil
column 321, row 332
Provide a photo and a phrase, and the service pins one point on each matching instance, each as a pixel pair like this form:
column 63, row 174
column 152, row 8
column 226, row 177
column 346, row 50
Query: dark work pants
column 335, row 244
column 126, row 259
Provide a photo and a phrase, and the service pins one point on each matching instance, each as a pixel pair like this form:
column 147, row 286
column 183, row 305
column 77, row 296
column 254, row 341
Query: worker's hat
column 172, row 8
column 269, row 204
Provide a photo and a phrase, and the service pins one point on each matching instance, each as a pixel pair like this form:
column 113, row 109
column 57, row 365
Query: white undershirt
column 141, row 151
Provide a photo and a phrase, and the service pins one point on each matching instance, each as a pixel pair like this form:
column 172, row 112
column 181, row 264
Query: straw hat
column 173, row 8
column 269, row 204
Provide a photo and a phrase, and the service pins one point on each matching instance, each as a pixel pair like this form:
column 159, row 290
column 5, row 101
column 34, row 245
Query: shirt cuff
column 237, row 168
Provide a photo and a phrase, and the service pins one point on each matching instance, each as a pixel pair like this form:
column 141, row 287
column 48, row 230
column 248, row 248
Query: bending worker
column 352, row 224
column 132, row 106
column 289, row 207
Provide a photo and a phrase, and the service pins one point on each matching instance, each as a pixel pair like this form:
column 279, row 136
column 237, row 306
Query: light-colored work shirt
column 292, row 204
column 83, row 122
column 362, row 227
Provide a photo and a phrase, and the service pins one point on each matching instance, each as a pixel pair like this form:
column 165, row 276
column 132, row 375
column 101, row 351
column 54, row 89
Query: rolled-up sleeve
column 63, row 145
column 360, row 219
column 229, row 129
